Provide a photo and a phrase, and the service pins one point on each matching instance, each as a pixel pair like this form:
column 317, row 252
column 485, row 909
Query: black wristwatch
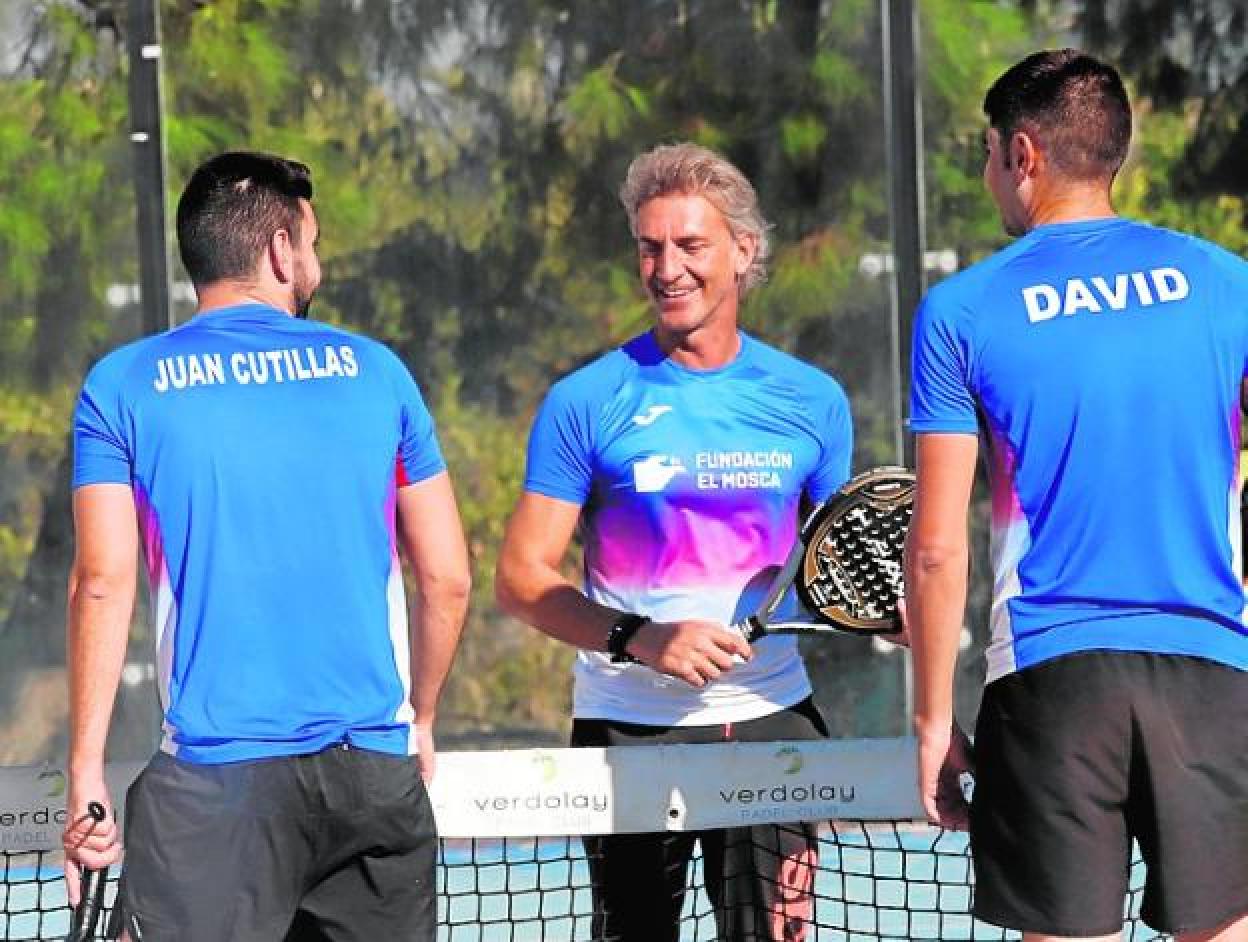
column 620, row 633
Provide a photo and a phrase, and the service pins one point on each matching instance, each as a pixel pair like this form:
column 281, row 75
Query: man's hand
column 694, row 651
column 945, row 765
column 90, row 844
column 426, row 755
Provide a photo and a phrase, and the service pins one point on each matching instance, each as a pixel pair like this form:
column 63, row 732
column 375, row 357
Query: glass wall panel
column 466, row 155
column 964, row 48
column 67, row 247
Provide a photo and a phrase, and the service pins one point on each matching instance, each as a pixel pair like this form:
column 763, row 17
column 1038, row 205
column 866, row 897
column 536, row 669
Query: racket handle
column 751, row 628
column 86, row 914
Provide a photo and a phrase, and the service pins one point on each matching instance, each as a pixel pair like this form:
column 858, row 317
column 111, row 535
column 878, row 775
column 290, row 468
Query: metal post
column 904, row 138
column 147, row 136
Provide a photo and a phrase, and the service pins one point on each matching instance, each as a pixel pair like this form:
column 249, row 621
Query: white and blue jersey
column 265, row 454
column 1101, row 363
column 689, row 483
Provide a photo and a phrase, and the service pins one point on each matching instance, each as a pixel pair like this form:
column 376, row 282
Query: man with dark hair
column 228, row 209
column 271, row 468
column 1099, row 360
column 683, row 456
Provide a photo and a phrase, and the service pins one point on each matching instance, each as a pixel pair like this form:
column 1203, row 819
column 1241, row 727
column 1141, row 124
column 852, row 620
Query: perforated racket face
column 851, row 573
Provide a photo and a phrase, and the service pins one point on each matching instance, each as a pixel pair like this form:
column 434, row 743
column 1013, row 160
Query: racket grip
column 86, row 915
column 750, row 628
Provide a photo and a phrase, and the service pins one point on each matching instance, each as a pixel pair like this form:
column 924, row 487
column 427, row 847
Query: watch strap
column 620, row 633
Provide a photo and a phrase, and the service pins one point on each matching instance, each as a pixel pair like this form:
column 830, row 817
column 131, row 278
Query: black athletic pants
column 759, row 879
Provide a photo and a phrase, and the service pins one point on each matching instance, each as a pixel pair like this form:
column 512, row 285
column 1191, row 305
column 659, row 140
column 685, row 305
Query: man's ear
column 1025, row 157
column 746, row 252
column 281, row 256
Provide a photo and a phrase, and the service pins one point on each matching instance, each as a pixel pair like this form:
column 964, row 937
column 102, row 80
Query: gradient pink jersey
column 690, row 483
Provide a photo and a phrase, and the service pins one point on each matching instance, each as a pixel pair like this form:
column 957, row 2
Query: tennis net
column 513, row 864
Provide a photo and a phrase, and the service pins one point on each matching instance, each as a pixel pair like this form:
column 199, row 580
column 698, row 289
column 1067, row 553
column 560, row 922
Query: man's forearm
column 937, row 558
column 530, row 584
column 99, row 621
column 935, row 602
column 438, row 626
column 557, row 608
column 432, row 538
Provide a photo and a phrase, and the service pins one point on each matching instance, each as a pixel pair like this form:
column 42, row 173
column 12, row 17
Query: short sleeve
column 941, row 399
column 1233, row 294
column 102, row 454
column 837, row 450
column 420, row 455
column 560, row 448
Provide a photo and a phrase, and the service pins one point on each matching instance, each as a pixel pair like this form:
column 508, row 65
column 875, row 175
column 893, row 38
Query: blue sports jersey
column 265, row 453
column 689, row 482
column 1101, row 362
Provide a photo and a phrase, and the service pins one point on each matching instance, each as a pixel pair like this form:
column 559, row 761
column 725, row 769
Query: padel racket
column 847, row 561
column 86, row 915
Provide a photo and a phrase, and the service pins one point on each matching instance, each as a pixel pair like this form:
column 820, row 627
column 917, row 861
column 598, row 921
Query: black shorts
column 1078, row 756
column 339, row 845
column 760, row 880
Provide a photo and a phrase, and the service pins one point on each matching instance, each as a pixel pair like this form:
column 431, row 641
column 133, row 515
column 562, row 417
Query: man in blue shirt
column 683, row 456
column 271, row 468
column 1099, row 361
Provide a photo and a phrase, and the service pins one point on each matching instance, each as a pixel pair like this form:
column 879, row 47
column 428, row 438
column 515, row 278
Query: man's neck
column 704, row 349
column 1071, row 203
column 220, row 294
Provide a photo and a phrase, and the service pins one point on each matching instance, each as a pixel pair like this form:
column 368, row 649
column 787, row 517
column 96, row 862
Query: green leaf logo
column 547, row 767
column 792, row 757
column 56, row 782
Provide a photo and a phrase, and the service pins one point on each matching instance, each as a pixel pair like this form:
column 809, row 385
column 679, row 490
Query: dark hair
column 1072, row 105
column 231, row 207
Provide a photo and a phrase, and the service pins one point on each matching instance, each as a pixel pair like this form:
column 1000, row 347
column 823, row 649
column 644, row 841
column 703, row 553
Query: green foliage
column 64, row 235
column 838, row 80
column 493, row 688
column 1146, row 188
column 802, row 136
column 15, row 549
column 56, row 161
column 1183, row 58
column 600, row 108
column 965, row 47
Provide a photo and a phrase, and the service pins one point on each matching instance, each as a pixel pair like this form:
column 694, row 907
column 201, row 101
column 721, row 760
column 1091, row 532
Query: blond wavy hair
column 692, row 170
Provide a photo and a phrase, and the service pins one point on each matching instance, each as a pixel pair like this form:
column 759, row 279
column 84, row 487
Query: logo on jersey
column 651, row 415
column 654, row 473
